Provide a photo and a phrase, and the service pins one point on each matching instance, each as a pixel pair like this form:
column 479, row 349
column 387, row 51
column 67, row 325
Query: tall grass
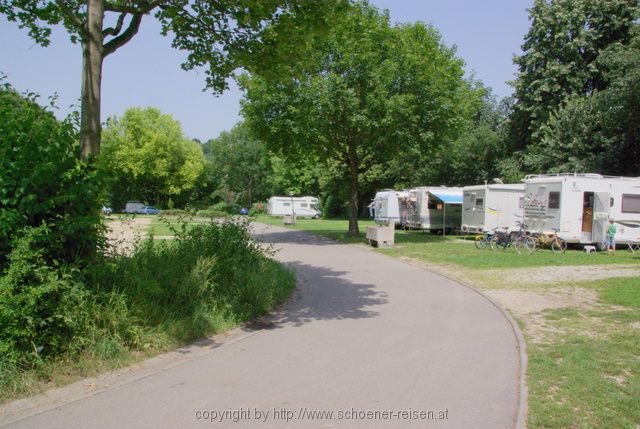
column 211, row 277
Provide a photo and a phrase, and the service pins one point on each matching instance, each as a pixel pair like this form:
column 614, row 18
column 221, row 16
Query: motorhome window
column 479, row 203
column 554, row 200
column 630, row 203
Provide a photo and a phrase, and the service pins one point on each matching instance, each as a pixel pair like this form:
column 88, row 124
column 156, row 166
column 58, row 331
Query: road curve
column 367, row 341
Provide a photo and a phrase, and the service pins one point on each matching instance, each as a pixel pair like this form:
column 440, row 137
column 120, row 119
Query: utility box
column 381, row 236
column 289, row 219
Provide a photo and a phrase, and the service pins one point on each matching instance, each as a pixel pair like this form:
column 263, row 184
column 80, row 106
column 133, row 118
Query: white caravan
column 386, row 206
column 486, row 207
column 297, row 206
column 579, row 206
column 436, row 208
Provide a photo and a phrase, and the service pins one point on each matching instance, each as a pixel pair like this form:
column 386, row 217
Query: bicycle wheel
column 558, row 245
column 481, row 242
column 495, row 242
column 530, row 245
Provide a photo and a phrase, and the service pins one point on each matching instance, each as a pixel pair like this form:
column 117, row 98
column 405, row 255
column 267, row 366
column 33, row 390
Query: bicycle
column 551, row 240
column 519, row 240
column 483, row 241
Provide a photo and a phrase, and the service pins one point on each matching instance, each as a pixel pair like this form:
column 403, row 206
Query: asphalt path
column 366, row 341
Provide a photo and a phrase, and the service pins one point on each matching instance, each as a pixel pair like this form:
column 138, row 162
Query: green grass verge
column 120, row 309
column 584, row 369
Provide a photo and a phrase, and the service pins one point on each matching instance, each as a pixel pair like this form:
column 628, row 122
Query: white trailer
column 294, row 206
column 386, row 206
column 578, row 206
column 489, row 206
column 132, row 207
column 435, row 208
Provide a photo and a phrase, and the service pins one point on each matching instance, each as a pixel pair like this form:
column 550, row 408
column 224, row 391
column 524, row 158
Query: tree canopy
column 369, row 91
column 221, row 36
column 560, row 57
column 149, row 159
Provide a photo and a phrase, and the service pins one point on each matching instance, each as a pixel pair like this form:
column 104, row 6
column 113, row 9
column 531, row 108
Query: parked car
column 106, row 210
column 150, row 210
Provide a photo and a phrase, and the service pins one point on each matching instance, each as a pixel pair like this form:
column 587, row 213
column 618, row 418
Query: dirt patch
column 525, row 301
column 564, row 274
column 122, row 234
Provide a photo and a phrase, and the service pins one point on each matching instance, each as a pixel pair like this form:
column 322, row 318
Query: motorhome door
column 600, row 216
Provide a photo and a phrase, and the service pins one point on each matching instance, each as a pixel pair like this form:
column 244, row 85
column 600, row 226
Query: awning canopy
column 448, row 198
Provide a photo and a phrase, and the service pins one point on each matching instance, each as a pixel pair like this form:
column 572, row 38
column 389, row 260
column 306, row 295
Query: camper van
column 434, row 208
column 387, row 206
column 296, row 206
column 489, row 206
column 134, row 207
column 579, row 206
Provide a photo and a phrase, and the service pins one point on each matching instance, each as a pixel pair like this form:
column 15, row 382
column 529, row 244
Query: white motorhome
column 436, row 208
column 134, row 207
column 296, row 206
column 489, row 206
column 387, row 207
column 579, row 206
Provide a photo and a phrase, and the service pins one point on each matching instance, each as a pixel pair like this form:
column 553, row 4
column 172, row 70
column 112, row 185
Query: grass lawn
column 584, row 354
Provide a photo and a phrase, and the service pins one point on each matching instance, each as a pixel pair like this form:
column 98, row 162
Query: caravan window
column 303, row 205
column 479, row 203
column 521, row 203
column 630, row 203
column 286, row 204
column 554, row 200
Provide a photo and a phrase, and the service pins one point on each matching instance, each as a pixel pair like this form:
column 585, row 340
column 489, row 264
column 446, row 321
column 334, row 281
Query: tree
column 221, row 35
column 241, row 163
column 370, row 90
column 599, row 132
column 560, row 54
column 149, row 159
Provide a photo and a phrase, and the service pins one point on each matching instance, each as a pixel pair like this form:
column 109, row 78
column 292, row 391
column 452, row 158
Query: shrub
column 211, row 213
column 43, row 182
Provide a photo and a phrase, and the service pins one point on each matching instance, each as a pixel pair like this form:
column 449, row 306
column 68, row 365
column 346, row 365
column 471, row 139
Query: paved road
column 363, row 334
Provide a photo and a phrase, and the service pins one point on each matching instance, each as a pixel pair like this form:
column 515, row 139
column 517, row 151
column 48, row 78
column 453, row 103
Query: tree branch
column 72, row 17
column 112, row 45
column 114, row 31
column 143, row 8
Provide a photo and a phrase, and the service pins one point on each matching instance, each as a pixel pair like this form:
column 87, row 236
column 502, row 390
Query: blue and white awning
column 448, row 198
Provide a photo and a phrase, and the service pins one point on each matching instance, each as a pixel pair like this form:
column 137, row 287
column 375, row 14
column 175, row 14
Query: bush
column 211, row 213
column 211, row 277
column 176, row 212
column 43, row 182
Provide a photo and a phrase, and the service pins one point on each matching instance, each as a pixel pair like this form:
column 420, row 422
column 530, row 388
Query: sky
column 146, row 71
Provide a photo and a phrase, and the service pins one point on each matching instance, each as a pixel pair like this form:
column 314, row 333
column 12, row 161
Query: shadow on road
column 291, row 236
column 323, row 294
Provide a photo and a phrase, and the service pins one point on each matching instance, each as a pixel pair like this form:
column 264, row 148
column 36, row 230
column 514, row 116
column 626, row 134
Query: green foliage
column 148, row 159
column 240, row 165
column 560, row 54
column 43, row 183
column 211, row 277
column 599, row 132
column 38, row 303
column 369, row 90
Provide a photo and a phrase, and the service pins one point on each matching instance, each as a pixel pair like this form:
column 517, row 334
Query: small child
column 611, row 236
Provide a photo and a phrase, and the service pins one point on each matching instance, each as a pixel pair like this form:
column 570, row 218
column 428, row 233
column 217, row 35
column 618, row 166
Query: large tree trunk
column 92, row 56
column 354, row 230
